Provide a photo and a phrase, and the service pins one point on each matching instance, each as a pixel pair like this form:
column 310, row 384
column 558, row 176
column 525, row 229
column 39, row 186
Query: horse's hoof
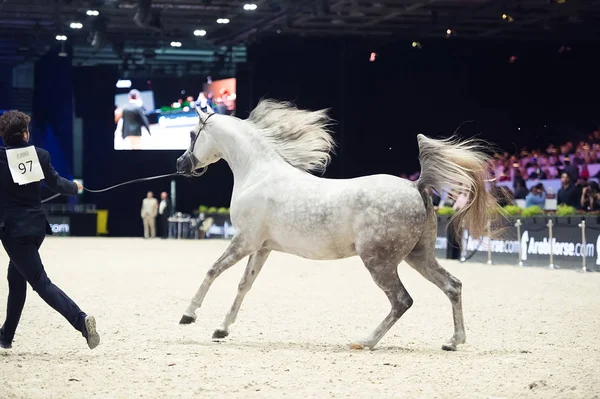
column 220, row 334
column 357, row 346
column 187, row 319
column 449, row 347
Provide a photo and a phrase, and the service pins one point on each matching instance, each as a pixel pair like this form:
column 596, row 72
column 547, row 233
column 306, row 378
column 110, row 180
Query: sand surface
column 531, row 332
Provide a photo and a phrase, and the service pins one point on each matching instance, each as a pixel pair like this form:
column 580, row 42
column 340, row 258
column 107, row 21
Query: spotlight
column 223, row 21
column 61, row 38
column 507, row 17
column 416, row 45
column 92, row 13
column 175, row 44
column 199, row 32
column 124, row 84
column 250, row 7
column 76, row 25
column 448, row 32
column 372, row 57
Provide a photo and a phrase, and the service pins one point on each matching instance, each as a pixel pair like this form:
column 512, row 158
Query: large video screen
column 142, row 125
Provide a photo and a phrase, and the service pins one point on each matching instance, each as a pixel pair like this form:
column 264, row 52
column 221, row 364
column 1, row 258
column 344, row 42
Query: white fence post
column 489, row 231
column 583, row 244
column 550, row 224
column 518, row 226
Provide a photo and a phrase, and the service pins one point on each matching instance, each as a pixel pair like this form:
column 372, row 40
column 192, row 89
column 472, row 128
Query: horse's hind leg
column 385, row 274
column 255, row 264
column 237, row 250
column 422, row 259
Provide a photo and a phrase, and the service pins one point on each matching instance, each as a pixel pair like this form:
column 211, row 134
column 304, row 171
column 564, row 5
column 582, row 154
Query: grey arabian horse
column 277, row 205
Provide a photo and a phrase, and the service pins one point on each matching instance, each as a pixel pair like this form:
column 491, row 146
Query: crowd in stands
column 573, row 164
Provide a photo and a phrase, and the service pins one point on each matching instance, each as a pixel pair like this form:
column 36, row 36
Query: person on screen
column 132, row 120
column 202, row 102
column 23, row 227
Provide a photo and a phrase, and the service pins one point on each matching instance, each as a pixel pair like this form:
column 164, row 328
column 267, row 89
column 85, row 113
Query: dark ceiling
column 29, row 27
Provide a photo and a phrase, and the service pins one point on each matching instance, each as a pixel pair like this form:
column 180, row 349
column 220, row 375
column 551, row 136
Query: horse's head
column 203, row 149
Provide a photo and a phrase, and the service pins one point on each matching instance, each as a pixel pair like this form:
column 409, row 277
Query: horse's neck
column 246, row 156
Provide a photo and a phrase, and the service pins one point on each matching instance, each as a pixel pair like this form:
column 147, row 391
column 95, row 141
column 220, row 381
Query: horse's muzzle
column 185, row 164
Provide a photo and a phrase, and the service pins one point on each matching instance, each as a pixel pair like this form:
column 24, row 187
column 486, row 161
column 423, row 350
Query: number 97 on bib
column 24, row 165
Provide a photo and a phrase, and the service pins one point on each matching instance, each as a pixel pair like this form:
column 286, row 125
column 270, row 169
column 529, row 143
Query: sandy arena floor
column 531, row 333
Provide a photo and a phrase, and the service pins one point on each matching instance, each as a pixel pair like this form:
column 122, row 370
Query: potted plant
column 444, row 215
column 223, row 211
column 564, row 214
column 212, row 210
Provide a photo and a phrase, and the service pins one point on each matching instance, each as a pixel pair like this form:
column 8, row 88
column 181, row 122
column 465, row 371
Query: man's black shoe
column 3, row 343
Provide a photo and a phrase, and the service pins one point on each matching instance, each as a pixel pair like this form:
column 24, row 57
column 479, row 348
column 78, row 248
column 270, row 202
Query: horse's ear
column 201, row 114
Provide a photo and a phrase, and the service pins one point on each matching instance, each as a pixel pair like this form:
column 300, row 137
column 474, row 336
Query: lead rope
column 193, row 174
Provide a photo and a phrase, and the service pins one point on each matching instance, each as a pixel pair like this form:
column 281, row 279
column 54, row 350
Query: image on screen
column 141, row 125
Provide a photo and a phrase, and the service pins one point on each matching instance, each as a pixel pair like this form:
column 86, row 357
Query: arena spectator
column 590, row 197
column 567, row 195
column 537, row 196
column 572, row 170
column 520, row 189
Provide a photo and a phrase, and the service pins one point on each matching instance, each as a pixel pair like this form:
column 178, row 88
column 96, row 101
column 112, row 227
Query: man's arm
column 143, row 120
column 53, row 180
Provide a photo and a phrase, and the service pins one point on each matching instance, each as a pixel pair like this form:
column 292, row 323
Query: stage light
column 92, row 13
column 199, row 32
column 123, row 84
column 373, row 56
column 507, row 17
column 175, row 44
column 448, row 32
column 76, row 25
column 223, row 21
column 250, row 7
column 416, row 45
column 61, row 38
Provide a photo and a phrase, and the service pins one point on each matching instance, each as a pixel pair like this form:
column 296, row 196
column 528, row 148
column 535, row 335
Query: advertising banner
column 533, row 246
column 60, row 225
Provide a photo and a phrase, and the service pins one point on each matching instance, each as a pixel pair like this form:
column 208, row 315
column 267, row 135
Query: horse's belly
column 315, row 249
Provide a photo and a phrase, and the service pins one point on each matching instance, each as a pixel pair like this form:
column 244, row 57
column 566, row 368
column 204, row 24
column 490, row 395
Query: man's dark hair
column 13, row 126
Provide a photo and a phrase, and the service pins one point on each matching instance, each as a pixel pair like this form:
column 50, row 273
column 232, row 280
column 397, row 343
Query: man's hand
column 79, row 186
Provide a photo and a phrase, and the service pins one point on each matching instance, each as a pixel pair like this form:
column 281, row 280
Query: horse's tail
column 450, row 164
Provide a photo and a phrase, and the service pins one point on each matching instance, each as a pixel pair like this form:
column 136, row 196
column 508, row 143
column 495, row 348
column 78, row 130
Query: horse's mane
column 300, row 137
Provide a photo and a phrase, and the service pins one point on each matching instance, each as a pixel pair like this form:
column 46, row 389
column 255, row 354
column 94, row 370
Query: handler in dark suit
column 165, row 210
column 23, row 227
column 134, row 119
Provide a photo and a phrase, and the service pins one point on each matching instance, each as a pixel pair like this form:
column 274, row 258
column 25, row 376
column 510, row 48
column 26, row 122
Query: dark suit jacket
column 21, row 212
column 133, row 120
column 168, row 209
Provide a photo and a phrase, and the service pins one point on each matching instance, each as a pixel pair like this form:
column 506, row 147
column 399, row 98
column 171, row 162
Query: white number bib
column 24, row 165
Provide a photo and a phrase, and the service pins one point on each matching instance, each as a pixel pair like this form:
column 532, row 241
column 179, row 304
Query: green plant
column 223, row 211
column 212, row 209
column 565, row 210
column 531, row 211
column 446, row 211
column 202, row 209
column 512, row 210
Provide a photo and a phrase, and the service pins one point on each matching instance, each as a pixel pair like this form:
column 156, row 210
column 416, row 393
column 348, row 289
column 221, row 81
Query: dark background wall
column 379, row 108
column 5, row 86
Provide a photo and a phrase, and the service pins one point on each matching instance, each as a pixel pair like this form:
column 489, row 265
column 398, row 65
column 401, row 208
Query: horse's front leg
column 255, row 264
column 237, row 250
